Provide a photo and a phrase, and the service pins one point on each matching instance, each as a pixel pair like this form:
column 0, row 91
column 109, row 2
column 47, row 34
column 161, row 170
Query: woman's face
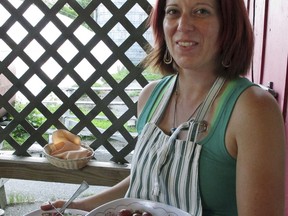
column 191, row 29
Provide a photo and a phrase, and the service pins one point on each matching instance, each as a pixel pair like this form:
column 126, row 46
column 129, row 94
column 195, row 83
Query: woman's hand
column 93, row 201
column 56, row 204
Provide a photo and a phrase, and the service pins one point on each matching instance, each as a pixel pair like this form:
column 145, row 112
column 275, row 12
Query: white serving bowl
column 155, row 208
column 71, row 211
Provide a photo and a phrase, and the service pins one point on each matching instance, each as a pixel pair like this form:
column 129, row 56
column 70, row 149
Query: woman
column 236, row 164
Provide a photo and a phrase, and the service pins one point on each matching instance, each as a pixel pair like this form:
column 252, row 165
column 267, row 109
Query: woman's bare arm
column 259, row 133
column 91, row 202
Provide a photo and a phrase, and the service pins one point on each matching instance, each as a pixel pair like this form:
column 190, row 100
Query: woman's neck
column 192, row 86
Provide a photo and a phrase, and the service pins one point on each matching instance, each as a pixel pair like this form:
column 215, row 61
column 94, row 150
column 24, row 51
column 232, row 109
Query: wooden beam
column 39, row 169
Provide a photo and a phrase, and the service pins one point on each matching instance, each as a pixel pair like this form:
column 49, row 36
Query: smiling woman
column 191, row 34
column 221, row 148
column 233, row 28
column 190, row 44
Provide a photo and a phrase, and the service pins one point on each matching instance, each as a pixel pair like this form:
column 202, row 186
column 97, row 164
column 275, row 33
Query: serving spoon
column 84, row 185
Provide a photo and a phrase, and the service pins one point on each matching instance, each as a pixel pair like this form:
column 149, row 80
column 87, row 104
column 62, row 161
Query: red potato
column 124, row 212
column 127, row 212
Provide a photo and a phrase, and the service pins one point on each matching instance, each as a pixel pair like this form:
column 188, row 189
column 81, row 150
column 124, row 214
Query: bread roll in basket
column 67, row 151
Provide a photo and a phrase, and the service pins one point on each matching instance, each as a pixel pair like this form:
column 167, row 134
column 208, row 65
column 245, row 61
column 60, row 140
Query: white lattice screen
column 62, row 69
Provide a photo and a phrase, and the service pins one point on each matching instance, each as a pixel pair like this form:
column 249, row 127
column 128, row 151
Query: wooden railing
column 39, row 169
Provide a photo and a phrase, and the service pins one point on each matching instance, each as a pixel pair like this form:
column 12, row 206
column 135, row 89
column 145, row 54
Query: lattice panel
column 43, row 52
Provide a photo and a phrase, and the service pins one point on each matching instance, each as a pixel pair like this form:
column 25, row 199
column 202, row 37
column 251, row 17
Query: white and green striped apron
column 164, row 168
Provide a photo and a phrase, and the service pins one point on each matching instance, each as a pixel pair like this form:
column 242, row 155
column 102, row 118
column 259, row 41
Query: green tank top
column 217, row 169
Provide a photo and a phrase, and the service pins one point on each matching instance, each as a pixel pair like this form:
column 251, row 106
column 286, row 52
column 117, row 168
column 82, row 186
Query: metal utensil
column 58, row 212
column 84, row 185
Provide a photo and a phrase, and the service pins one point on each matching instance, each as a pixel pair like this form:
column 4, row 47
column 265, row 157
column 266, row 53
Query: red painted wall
column 270, row 63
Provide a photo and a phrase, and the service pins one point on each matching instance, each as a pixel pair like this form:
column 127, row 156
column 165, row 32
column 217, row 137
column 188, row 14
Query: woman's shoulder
column 148, row 90
column 257, row 99
column 256, row 122
column 257, row 108
column 145, row 94
column 252, row 96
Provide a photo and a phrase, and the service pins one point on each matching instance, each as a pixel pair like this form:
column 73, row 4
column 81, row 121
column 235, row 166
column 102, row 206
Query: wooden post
column 3, row 199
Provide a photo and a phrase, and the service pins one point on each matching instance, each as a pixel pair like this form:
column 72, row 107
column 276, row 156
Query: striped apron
column 164, row 168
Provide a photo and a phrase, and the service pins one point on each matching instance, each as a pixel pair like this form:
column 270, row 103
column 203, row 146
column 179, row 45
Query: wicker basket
column 68, row 163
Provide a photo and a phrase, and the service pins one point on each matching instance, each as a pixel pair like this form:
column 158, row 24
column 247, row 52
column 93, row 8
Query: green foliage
column 35, row 118
column 130, row 129
column 19, row 134
column 16, row 198
column 68, row 11
column 96, row 84
column 102, row 123
column 150, row 76
column 84, row 3
column 6, row 146
column 121, row 74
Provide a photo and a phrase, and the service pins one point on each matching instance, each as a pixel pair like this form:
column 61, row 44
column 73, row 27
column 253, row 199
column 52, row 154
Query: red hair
column 236, row 39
